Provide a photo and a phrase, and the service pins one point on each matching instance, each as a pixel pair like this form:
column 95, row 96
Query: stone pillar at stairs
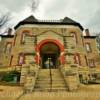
column 29, row 83
column 24, row 72
column 71, row 77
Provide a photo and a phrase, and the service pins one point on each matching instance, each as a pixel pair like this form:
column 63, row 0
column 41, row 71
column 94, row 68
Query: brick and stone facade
column 35, row 41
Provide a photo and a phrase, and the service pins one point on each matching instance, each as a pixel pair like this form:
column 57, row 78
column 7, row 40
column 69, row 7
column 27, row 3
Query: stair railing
column 50, row 76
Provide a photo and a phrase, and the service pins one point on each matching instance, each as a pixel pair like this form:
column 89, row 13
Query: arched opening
column 49, row 54
column 49, row 49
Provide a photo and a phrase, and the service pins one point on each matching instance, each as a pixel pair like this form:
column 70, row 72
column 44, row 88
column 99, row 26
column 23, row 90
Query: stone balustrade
column 71, row 76
column 28, row 76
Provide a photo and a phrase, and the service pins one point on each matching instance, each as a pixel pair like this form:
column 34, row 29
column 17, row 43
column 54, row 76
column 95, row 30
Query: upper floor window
column 27, row 39
column 88, row 47
column 74, row 37
column 8, row 47
column 77, row 59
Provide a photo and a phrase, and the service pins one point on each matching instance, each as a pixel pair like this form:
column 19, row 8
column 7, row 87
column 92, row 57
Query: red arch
column 40, row 44
column 38, row 47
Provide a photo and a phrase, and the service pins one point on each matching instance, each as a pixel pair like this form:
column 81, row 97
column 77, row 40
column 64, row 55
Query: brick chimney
column 9, row 31
column 87, row 32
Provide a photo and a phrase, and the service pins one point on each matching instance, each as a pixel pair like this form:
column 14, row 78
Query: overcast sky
column 86, row 12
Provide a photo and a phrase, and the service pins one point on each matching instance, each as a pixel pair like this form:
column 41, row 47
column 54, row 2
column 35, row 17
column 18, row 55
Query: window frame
column 75, row 59
column 75, row 36
column 21, row 55
column 9, row 48
column 89, row 63
column 89, row 49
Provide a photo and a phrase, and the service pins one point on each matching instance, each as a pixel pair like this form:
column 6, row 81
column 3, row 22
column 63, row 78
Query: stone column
column 24, row 72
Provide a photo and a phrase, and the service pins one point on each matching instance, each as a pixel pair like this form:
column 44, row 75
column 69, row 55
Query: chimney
column 9, row 31
column 87, row 32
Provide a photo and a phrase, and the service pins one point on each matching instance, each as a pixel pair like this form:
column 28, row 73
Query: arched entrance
column 50, row 49
column 49, row 52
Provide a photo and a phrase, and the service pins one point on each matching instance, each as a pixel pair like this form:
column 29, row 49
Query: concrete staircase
column 50, row 81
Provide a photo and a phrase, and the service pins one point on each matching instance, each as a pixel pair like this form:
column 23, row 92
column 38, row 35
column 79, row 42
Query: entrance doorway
column 49, row 53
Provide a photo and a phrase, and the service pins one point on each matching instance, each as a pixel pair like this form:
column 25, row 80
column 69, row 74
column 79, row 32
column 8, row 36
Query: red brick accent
column 39, row 46
column 75, row 59
column 11, row 60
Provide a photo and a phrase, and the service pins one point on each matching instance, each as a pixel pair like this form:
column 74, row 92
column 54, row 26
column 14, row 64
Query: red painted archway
column 40, row 44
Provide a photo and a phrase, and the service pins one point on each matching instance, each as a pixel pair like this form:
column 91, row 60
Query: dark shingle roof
column 32, row 20
column 7, row 36
column 68, row 20
column 89, row 37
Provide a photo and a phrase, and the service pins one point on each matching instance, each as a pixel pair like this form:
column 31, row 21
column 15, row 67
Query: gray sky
column 86, row 12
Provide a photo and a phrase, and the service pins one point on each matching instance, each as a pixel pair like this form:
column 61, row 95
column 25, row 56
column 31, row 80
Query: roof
column 7, row 36
column 32, row 20
column 68, row 20
column 90, row 37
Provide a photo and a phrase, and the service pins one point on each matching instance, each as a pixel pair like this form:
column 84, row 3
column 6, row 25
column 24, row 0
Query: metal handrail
column 50, row 76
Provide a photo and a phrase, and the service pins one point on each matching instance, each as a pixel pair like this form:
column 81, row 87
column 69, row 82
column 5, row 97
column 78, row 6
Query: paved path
column 86, row 92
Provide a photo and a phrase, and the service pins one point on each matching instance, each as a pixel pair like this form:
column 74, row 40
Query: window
column 24, row 33
column 23, row 38
column 77, row 59
column 91, row 63
column 27, row 39
column 88, row 47
column 21, row 59
column 8, row 48
column 74, row 38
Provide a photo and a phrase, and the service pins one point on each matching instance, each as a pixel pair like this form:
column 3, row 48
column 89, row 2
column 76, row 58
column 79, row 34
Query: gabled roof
column 32, row 20
column 68, row 20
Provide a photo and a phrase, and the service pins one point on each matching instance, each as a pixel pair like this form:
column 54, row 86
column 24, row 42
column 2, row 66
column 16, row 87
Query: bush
column 8, row 77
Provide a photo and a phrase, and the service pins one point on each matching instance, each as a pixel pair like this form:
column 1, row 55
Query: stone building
column 60, row 42
column 98, row 42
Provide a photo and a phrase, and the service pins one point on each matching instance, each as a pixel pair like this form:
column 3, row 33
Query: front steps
column 47, row 81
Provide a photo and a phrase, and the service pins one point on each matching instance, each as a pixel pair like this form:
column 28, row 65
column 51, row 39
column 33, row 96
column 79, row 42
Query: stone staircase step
column 43, row 82
column 50, row 90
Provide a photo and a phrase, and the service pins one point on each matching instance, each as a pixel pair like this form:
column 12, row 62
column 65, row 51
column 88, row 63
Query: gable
column 50, row 35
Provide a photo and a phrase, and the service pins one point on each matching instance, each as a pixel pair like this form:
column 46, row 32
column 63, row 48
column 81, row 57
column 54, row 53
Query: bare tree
column 4, row 19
